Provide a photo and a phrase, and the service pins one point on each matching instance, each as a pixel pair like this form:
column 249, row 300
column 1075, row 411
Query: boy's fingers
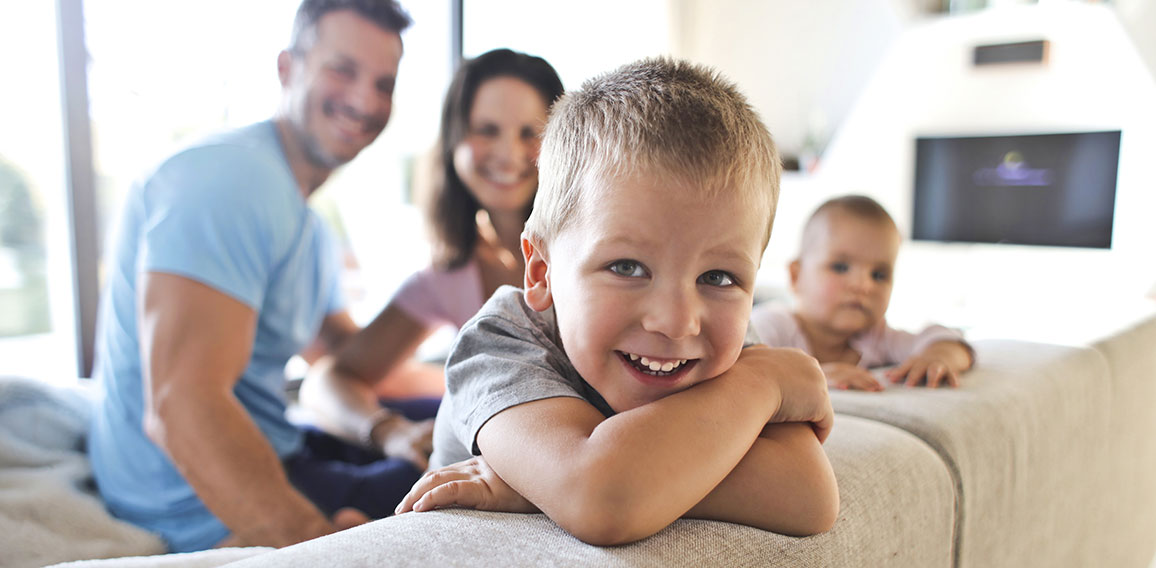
column 952, row 378
column 456, row 493
column 428, row 482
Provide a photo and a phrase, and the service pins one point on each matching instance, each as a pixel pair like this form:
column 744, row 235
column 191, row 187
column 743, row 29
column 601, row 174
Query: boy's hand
column 845, row 376
column 801, row 384
column 471, row 484
column 940, row 363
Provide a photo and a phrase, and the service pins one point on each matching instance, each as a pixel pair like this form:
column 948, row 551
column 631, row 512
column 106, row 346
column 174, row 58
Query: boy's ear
column 536, row 286
column 793, row 268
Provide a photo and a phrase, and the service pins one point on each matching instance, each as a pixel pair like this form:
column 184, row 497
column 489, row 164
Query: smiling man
column 221, row 273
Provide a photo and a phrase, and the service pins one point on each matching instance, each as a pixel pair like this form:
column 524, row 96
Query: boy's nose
column 674, row 313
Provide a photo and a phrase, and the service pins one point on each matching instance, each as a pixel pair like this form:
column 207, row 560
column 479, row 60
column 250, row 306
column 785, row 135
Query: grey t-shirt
column 507, row 355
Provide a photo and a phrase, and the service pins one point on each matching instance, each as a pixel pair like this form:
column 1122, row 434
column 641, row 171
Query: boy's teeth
column 656, row 365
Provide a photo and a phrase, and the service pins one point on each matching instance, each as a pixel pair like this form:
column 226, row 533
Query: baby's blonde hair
column 670, row 119
column 857, row 206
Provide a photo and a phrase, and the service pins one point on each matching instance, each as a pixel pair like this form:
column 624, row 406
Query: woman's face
column 497, row 159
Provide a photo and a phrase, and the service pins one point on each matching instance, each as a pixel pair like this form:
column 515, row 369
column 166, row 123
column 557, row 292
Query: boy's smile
column 651, row 285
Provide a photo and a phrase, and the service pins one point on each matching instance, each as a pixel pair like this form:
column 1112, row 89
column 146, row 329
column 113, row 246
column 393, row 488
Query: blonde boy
column 613, row 393
column 842, row 282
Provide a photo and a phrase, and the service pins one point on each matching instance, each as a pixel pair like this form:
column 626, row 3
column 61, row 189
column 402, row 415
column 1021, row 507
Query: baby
column 613, row 393
column 842, row 282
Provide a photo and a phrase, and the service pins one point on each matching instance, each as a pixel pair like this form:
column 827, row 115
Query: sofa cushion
column 1129, row 511
column 897, row 509
column 1025, row 437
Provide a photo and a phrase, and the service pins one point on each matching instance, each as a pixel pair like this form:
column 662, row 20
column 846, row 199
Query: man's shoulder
column 255, row 146
column 232, row 167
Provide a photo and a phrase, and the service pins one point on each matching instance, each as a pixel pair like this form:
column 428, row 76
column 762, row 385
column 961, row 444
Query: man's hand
column 471, row 484
column 940, row 363
column 845, row 376
column 406, row 439
column 802, row 385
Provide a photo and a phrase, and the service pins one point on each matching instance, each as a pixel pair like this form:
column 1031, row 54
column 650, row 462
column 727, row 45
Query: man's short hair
column 387, row 14
column 660, row 117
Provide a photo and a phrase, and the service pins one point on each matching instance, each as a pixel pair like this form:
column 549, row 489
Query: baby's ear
column 537, row 278
column 793, row 268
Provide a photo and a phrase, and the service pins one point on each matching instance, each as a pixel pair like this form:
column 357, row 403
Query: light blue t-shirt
column 226, row 212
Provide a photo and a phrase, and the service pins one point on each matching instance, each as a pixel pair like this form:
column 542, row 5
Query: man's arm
column 195, row 344
column 617, row 480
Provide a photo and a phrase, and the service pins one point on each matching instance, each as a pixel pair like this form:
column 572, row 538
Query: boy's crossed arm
column 706, row 452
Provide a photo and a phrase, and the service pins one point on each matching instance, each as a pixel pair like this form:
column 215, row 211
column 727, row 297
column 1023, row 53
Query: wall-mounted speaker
column 1035, row 51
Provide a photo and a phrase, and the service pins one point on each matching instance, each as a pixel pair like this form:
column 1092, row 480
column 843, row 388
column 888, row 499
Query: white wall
column 802, row 64
column 900, row 75
column 1094, row 80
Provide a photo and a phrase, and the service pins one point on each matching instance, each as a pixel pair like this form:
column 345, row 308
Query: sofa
column 1044, row 456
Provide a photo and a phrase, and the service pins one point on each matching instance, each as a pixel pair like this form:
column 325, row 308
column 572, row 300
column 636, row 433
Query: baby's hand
column 801, row 384
column 471, row 484
column 916, row 367
column 845, row 376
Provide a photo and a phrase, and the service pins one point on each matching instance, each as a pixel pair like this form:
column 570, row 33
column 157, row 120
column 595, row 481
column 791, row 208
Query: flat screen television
column 1030, row 189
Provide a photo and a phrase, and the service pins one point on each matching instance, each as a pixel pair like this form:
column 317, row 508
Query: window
column 36, row 308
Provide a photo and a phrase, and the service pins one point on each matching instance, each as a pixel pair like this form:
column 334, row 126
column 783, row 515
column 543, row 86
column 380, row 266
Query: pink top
column 880, row 346
column 442, row 297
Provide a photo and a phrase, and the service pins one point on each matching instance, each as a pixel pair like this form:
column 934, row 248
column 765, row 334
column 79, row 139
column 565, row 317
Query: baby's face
column 652, row 287
column 843, row 278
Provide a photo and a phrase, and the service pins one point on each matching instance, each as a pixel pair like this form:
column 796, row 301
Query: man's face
column 843, row 279
column 652, row 287
column 338, row 94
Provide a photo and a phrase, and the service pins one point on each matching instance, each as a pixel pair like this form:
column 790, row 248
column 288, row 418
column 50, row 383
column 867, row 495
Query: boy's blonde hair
column 670, row 119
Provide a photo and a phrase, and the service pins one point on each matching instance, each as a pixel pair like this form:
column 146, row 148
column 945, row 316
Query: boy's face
column 651, row 286
column 843, row 278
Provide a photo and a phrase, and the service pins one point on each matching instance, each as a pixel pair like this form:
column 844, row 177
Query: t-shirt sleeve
column 497, row 364
column 210, row 217
column 416, row 298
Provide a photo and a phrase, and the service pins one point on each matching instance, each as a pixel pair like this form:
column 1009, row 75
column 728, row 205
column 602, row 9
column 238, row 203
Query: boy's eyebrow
column 726, row 252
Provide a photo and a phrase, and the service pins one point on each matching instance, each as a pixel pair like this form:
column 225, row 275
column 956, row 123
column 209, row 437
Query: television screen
column 1033, row 189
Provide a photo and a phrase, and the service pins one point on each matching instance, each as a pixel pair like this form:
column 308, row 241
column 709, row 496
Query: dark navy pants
column 335, row 474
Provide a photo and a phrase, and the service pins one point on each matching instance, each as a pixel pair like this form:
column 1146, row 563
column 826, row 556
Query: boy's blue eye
column 880, row 276
column 839, row 267
column 628, row 268
column 716, row 278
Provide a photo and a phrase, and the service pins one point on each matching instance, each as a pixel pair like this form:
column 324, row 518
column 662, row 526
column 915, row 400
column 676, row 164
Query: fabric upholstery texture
column 1024, row 437
column 1127, row 510
column 896, row 510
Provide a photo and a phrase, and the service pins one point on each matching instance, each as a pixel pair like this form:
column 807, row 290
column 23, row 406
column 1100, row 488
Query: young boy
column 842, row 282
column 613, row 393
